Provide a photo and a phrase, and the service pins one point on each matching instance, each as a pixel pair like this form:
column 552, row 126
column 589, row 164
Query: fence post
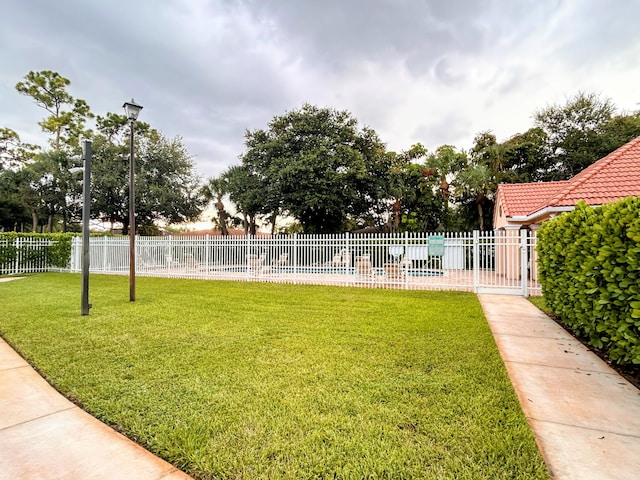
column 295, row 258
column 347, row 267
column 524, row 262
column 16, row 258
column 476, row 261
column 404, row 265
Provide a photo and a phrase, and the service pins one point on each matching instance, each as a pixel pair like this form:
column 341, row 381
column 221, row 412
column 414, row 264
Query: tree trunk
column 50, row 223
column 479, row 202
column 34, row 219
column 222, row 218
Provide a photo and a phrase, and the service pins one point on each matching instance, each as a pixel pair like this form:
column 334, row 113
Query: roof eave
column 544, row 212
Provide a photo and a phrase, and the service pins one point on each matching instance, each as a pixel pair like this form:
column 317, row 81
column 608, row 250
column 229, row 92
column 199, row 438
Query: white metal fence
column 24, row 255
column 482, row 262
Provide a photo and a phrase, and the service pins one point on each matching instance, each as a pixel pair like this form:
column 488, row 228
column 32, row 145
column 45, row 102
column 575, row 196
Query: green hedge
column 57, row 254
column 589, row 265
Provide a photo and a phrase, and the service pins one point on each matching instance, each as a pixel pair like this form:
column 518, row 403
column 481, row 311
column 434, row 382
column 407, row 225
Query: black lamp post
column 86, row 211
column 132, row 109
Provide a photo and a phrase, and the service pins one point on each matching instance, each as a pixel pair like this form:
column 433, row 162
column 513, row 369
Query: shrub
column 56, row 254
column 589, row 264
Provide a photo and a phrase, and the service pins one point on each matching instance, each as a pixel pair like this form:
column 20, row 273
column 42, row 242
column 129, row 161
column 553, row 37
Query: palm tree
column 476, row 181
column 214, row 191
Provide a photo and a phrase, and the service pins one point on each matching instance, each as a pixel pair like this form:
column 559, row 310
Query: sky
column 430, row 71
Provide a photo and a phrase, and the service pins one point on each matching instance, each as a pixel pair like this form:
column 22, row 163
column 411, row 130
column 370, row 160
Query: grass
column 252, row 380
column 541, row 304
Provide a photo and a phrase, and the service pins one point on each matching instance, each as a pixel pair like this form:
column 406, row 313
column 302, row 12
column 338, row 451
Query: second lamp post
column 132, row 109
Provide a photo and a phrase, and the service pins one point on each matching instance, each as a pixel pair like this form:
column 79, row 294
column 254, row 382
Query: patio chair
column 394, row 271
column 282, row 261
column 255, row 264
column 191, row 263
column 341, row 259
column 364, row 267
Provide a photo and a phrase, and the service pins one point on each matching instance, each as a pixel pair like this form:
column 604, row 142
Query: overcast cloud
column 430, row 71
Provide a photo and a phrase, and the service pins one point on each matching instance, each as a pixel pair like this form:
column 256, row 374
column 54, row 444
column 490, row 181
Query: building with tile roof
column 611, row 178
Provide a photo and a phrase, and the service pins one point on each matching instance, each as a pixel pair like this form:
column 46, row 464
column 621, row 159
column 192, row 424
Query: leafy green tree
column 13, row 152
column 167, row 190
column 14, row 214
column 50, row 191
column 619, row 130
column 526, row 157
column 245, row 191
column 411, row 190
column 318, row 167
column 476, row 185
column 67, row 115
column 444, row 165
column 573, row 133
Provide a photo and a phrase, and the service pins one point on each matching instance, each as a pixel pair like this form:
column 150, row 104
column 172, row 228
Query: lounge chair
column 394, row 271
column 281, row 261
column 255, row 264
column 364, row 267
column 341, row 259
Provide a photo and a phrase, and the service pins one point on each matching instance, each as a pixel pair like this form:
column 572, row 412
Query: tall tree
column 319, row 167
column 573, row 133
column 14, row 152
column 14, row 212
column 476, row 183
column 444, row 164
column 167, row 189
column 214, row 191
column 245, row 191
column 67, row 115
column 526, row 157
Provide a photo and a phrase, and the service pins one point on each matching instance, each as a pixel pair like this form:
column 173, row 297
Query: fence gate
column 505, row 262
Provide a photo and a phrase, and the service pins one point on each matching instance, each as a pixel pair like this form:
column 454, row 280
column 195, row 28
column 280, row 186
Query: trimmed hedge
column 57, row 254
column 589, row 265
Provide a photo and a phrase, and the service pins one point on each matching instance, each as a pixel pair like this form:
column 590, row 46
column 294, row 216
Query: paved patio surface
column 585, row 417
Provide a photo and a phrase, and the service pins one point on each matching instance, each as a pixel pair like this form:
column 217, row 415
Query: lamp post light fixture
column 86, row 212
column 132, row 109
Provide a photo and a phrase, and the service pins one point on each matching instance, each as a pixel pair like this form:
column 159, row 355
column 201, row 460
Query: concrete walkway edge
column 45, row 436
column 585, row 417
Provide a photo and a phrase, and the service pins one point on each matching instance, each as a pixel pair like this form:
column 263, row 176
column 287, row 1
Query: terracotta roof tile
column 524, row 198
column 611, row 178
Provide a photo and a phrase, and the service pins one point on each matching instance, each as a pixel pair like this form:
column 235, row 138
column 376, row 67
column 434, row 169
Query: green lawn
column 252, row 380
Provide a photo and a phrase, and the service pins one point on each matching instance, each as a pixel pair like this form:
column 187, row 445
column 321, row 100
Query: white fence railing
column 486, row 262
column 24, row 255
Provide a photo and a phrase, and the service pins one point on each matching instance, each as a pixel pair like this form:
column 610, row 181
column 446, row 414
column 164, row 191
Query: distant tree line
column 39, row 192
column 314, row 165
column 318, row 167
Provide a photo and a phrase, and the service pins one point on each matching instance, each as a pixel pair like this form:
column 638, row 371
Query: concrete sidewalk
column 45, row 436
column 585, row 417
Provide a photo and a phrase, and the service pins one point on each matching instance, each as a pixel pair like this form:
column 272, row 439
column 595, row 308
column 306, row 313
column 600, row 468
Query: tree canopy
column 38, row 183
column 317, row 166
